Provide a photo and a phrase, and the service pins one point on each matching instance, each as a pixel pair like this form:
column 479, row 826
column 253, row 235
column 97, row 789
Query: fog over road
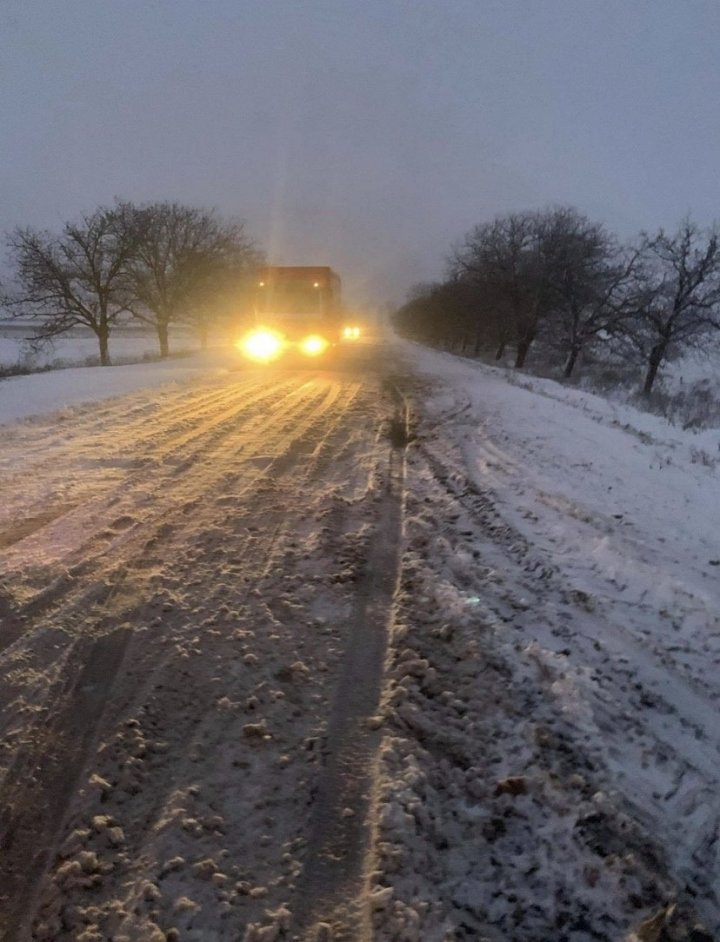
column 195, row 590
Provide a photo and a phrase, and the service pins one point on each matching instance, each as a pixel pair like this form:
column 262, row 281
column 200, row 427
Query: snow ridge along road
column 551, row 759
column 193, row 584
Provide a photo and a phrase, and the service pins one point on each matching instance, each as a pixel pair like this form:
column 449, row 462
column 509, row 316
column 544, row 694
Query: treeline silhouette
column 557, row 286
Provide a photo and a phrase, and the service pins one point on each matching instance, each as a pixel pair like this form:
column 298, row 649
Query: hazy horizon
column 364, row 135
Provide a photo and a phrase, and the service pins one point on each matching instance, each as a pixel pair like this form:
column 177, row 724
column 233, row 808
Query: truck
column 294, row 309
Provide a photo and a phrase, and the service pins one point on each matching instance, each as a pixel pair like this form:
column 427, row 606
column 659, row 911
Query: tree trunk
column 522, row 351
column 103, row 336
column 500, row 352
column 656, row 357
column 162, row 331
column 571, row 361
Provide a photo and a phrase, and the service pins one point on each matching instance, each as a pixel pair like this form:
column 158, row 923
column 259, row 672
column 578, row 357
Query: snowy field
column 80, row 347
column 70, row 377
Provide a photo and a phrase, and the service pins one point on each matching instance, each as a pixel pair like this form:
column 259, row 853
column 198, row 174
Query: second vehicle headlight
column 314, row 345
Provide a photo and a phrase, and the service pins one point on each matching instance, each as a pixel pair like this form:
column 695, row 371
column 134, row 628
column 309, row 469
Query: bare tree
column 221, row 282
column 678, row 293
column 552, row 274
column 589, row 278
column 442, row 314
column 505, row 259
column 79, row 277
column 559, row 276
column 178, row 250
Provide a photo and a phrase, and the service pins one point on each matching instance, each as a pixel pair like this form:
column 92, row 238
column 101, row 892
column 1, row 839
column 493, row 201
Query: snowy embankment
column 551, row 760
column 22, row 397
column 69, row 375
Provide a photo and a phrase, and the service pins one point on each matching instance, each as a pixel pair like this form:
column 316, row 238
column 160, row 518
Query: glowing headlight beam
column 314, row 345
column 261, row 345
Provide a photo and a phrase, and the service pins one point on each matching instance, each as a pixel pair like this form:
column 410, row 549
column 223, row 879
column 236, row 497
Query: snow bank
column 22, row 397
column 551, row 758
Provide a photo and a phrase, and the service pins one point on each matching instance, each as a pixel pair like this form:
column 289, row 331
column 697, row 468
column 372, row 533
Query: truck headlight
column 261, row 345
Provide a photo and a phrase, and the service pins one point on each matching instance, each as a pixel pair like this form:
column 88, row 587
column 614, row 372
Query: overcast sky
column 364, row 134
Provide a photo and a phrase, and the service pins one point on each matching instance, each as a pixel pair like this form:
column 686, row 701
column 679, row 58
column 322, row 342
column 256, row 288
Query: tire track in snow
column 91, row 579
column 24, row 446
column 297, row 465
column 38, row 786
column 332, row 889
column 143, row 447
column 86, row 526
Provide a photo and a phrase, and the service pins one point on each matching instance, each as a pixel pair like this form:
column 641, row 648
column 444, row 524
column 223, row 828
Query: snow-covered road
column 192, row 580
column 199, row 739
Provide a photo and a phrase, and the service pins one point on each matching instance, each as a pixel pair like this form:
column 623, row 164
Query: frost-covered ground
column 551, row 761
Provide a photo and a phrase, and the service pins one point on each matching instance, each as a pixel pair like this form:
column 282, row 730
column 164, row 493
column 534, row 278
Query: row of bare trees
column 160, row 263
column 557, row 280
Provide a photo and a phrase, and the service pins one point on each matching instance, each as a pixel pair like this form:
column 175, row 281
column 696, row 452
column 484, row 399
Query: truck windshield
column 290, row 300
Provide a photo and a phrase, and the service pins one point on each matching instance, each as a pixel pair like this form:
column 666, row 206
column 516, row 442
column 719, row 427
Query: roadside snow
column 61, row 390
column 602, row 486
column 551, row 762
